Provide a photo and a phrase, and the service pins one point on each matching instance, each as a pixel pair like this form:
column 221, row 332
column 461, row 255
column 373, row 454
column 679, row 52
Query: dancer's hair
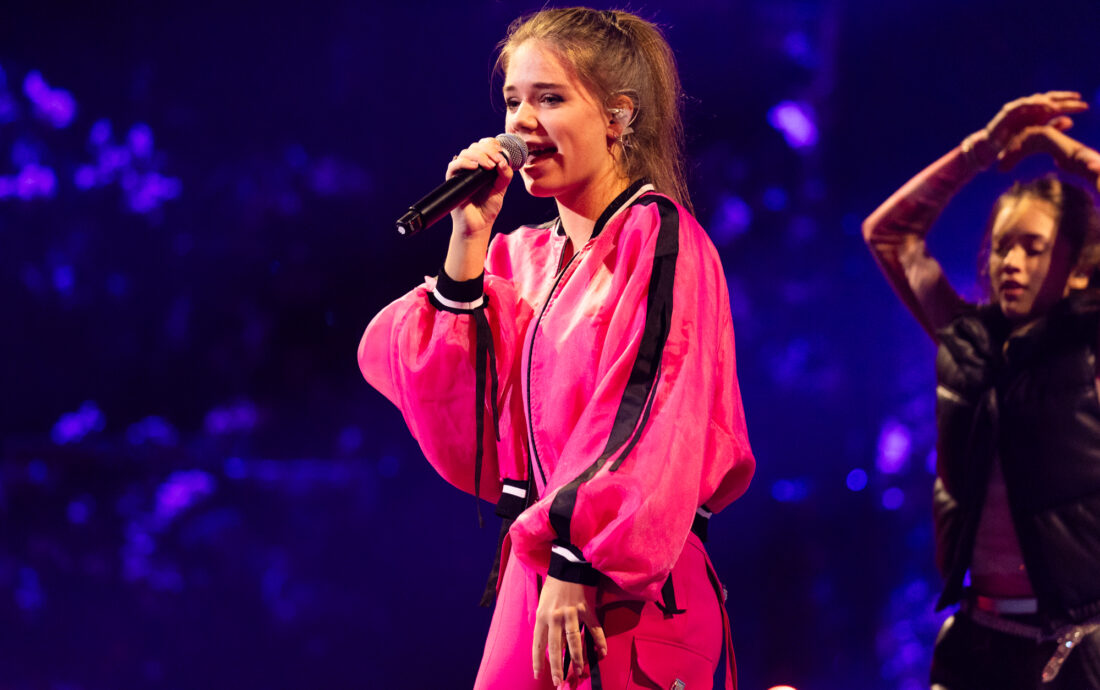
column 1075, row 216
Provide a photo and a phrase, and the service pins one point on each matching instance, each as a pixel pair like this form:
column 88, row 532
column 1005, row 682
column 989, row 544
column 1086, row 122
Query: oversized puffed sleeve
column 663, row 432
column 433, row 353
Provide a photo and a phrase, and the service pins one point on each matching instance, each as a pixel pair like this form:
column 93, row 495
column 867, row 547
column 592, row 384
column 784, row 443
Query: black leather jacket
column 1033, row 402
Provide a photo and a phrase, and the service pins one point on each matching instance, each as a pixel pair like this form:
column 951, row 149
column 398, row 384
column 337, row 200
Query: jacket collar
column 636, row 189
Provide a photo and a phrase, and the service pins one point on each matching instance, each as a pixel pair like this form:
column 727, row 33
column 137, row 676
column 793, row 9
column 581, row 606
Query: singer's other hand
column 476, row 217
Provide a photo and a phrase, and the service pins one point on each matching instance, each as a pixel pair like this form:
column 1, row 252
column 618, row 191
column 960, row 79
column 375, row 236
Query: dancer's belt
column 1002, row 607
column 990, row 612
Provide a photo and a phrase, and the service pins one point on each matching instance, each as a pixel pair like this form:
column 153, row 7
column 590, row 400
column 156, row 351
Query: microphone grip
column 444, row 198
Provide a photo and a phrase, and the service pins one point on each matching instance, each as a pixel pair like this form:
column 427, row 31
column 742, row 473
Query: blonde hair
column 615, row 54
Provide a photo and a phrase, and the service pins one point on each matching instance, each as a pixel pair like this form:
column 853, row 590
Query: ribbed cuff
column 567, row 563
column 459, row 296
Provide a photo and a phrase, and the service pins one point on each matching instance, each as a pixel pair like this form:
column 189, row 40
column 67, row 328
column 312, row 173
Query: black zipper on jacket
column 533, row 451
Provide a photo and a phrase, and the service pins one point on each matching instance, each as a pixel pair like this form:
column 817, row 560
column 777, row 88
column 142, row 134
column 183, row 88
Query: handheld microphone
column 456, row 190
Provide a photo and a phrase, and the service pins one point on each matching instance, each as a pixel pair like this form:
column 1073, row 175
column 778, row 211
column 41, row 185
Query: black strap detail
column 699, row 526
column 489, row 594
column 508, row 508
column 668, row 599
column 668, row 592
column 593, row 661
column 633, row 408
column 483, row 352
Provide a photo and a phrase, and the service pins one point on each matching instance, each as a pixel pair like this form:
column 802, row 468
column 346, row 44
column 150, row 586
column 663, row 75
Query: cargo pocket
column 658, row 665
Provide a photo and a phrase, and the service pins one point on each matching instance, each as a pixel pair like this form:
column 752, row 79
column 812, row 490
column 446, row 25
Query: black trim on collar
column 617, row 203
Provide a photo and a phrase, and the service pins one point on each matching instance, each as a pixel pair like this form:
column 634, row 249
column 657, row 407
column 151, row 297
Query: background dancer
column 1018, row 488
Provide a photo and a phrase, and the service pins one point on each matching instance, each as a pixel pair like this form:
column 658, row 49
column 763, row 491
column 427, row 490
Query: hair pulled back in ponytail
column 616, row 54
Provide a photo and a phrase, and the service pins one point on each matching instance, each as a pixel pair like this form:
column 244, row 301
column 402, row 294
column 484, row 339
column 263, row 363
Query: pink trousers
column 646, row 648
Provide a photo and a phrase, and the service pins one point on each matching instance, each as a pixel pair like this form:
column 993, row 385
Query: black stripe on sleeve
column 633, row 408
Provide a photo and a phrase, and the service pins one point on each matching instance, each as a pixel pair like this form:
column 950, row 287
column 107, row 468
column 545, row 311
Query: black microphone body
column 458, row 189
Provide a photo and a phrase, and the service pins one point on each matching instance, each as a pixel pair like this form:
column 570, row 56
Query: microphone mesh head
column 514, row 148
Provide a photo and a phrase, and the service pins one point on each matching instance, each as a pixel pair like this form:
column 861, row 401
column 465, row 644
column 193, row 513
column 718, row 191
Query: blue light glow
column 141, row 140
column 153, row 429
column 64, row 279
column 84, row 177
column 731, row 220
column 235, row 417
column 775, row 198
column 37, row 472
column 180, row 490
column 55, row 106
column 80, row 510
column 894, row 444
column 795, row 121
column 74, row 426
column 235, row 468
column 35, row 181
column 893, row 498
column 8, row 109
column 790, row 490
column 100, row 133
column 856, row 480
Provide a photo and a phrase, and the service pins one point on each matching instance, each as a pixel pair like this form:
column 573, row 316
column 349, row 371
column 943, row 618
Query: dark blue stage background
column 197, row 490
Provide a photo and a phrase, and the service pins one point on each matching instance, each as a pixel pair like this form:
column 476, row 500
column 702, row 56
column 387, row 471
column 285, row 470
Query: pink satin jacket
column 617, row 398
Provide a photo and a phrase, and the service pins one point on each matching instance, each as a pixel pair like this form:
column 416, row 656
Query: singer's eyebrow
column 541, row 85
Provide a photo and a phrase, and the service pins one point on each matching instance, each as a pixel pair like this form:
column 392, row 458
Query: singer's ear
column 621, row 113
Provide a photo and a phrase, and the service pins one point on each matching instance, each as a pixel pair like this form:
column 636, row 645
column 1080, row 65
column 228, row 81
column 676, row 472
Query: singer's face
column 566, row 130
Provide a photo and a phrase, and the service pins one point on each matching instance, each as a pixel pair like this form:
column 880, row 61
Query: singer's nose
column 522, row 119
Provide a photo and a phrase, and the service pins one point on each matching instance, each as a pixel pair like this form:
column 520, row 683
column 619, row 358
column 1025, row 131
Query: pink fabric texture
column 618, row 393
column 645, row 649
column 567, row 341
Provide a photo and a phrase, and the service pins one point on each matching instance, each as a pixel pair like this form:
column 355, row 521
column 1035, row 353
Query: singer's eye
column 551, row 99
column 511, row 104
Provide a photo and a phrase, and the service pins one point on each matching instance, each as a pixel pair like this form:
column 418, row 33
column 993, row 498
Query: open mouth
column 540, row 153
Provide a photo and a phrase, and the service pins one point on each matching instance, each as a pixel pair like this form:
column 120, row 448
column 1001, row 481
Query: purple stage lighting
column 892, row 498
column 894, row 444
column 74, row 426
column 35, row 181
column 55, row 106
column 856, row 480
column 181, row 490
column 795, row 121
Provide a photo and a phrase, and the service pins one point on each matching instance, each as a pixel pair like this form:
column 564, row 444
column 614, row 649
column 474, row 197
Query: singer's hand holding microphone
column 479, row 174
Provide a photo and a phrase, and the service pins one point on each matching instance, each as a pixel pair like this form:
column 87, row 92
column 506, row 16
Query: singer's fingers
column 489, row 147
column 484, row 153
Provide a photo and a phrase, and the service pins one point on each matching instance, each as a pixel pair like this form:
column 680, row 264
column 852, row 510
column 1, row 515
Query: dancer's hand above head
column 563, row 608
column 1037, row 109
column 1068, row 153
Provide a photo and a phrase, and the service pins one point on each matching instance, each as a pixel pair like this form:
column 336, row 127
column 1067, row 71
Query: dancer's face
column 567, row 131
column 1029, row 265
